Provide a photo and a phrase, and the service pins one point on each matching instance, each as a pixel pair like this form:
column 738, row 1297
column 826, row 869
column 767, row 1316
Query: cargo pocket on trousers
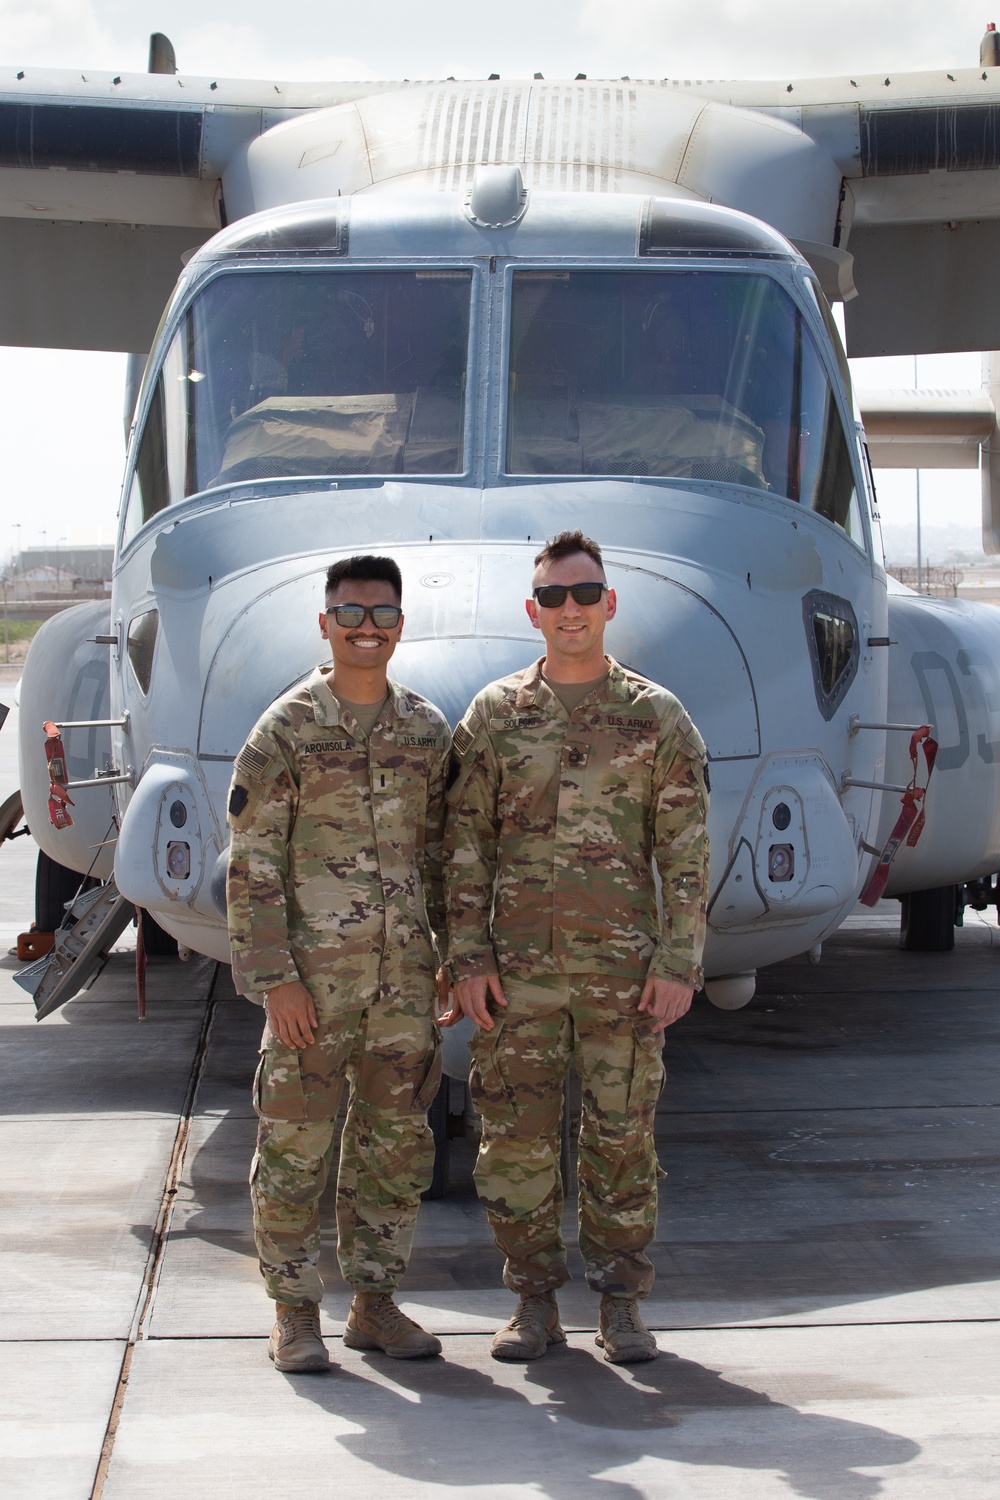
column 277, row 1087
column 491, row 1091
column 646, row 1083
column 426, row 1093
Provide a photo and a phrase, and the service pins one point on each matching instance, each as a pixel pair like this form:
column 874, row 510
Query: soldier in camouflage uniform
column 570, row 780
column 336, row 810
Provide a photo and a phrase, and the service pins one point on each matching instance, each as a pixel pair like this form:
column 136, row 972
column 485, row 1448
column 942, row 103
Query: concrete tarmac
column 826, row 1300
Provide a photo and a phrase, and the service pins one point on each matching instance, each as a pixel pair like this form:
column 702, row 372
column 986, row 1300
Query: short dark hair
column 364, row 568
column 565, row 544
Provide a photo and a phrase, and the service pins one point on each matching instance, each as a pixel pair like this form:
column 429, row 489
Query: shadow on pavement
column 591, row 1418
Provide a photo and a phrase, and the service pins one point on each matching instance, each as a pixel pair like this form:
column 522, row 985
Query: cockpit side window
column 151, row 480
column 293, row 374
column 685, row 374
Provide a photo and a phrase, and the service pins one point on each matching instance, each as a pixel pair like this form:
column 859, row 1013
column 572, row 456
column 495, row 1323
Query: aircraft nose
column 451, row 670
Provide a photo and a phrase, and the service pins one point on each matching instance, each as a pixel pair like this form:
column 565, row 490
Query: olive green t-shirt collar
column 572, row 694
column 328, row 708
column 535, row 690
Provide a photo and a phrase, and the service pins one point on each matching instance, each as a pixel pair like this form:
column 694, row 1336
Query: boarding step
column 82, row 947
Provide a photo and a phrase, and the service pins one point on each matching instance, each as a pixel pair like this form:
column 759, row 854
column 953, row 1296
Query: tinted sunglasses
column 350, row 616
column 552, row 595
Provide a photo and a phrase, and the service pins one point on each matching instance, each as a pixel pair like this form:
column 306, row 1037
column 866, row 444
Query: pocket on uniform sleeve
column 278, row 1093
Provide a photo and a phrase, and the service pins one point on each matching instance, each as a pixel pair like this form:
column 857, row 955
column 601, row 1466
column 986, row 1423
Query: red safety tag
column 59, row 798
column 910, row 823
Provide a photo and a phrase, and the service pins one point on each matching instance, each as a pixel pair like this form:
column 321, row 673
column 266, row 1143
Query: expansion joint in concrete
column 158, row 1238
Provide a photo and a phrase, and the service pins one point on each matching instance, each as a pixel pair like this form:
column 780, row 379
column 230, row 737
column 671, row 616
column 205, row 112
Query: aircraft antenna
column 162, row 58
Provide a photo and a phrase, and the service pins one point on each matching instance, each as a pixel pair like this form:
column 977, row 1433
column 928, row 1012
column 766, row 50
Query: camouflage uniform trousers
column 518, row 1076
column 390, row 1056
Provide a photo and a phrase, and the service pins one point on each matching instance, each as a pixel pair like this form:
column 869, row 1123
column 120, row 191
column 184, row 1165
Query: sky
column 63, row 480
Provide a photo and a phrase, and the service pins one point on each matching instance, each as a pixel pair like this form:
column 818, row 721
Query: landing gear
column 981, row 893
column 55, row 888
column 437, row 1119
column 928, row 918
column 157, row 942
column 12, row 813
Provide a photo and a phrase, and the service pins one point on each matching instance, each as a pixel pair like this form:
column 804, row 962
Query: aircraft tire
column 157, row 942
column 55, row 885
column 927, row 920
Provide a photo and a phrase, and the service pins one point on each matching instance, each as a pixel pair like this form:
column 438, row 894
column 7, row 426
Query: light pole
column 15, row 568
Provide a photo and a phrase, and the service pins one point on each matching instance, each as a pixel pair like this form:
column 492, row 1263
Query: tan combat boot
column 295, row 1344
column 622, row 1334
column 375, row 1322
column 534, row 1326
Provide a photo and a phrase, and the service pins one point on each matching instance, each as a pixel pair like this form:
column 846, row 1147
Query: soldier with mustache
column 337, row 928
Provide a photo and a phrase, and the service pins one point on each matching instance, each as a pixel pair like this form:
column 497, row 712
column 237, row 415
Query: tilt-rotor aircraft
column 448, row 319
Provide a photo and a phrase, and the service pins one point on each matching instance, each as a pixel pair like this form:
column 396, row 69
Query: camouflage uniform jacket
column 335, row 860
column 555, row 821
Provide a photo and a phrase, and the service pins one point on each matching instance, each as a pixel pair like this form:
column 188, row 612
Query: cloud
column 644, row 38
column 781, row 39
column 74, row 483
column 62, row 34
column 235, row 50
column 78, row 34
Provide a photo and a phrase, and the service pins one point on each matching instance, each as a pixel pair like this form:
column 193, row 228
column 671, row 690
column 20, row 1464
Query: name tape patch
column 517, row 721
column 619, row 721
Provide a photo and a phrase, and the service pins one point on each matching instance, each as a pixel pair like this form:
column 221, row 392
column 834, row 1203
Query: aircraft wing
column 919, row 155
column 106, row 180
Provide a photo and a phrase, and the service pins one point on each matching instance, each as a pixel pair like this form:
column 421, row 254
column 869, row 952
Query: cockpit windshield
column 311, row 372
column 686, row 374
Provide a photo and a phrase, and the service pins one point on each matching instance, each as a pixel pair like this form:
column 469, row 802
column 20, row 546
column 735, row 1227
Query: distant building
column 59, row 573
column 61, row 570
column 92, row 563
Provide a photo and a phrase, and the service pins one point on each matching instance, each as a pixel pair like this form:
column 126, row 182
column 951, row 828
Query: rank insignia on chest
column 383, row 778
column 576, row 755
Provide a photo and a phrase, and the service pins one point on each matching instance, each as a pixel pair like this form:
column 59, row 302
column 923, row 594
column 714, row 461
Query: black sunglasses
column 552, row 595
column 350, row 616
